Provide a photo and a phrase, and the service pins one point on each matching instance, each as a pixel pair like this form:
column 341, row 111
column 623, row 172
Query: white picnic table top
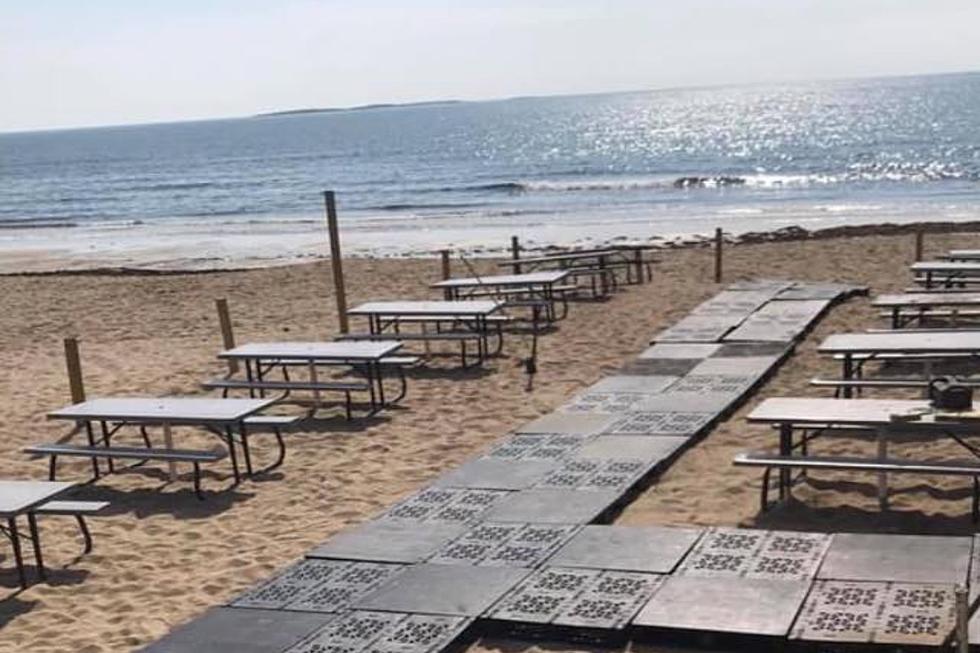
column 18, row 497
column 828, row 410
column 528, row 279
column 574, row 255
column 899, row 342
column 164, row 410
column 433, row 308
column 314, row 351
column 861, row 412
column 946, row 266
column 926, row 299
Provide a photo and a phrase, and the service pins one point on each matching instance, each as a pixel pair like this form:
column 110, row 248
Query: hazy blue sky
column 66, row 63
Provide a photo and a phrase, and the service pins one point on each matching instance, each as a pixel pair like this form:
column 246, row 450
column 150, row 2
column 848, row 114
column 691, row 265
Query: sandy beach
column 162, row 557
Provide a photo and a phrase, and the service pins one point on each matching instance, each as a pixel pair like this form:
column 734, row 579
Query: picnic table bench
column 814, row 416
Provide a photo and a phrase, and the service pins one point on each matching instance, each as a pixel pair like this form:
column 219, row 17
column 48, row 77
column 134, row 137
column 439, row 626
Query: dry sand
column 161, row 557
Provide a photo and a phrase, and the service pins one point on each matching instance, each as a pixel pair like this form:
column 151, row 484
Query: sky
column 65, row 63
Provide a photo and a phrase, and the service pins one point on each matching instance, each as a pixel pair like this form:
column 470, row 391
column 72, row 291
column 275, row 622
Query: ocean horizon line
column 435, row 103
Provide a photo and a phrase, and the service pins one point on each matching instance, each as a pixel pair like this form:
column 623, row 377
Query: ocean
column 553, row 170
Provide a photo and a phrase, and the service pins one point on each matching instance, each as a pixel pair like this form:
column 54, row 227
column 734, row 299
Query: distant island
column 362, row 107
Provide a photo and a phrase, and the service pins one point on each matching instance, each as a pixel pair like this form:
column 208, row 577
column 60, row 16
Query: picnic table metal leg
column 785, row 449
column 230, row 441
column 106, row 437
column 250, row 377
column 848, row 373
column 896, row 323
column 379, row 375
column 243, row 433
column 638, row 262
column 882, row 476
column 36, row 541
column 18, row 555
column 90, row 435
column 168, row 439
column 317, row 401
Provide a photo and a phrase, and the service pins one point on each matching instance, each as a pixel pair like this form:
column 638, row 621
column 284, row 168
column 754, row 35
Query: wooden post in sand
column 227, row 331
column 918, row 245
column 444, row 256
column 719, row 241
column 515, row 252
column 336, row 262
column 74, row 363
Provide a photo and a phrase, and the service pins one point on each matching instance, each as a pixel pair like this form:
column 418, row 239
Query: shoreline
column 793, row 233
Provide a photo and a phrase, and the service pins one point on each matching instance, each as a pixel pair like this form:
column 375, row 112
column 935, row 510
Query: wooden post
column 227, row 331
column 515, row 252
column 962, row 619
column 444, row 254
column 718, row 245
column 918, row 245
column 74, row 362
column 336, row 261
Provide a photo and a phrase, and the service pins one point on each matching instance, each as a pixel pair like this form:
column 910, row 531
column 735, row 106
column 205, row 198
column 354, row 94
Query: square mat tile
column 553, row 506
column 631, row 446
column 680, row 350
column 902, row 614
column 444, row 589
column 651, row 549
column 231, row 630
column 572, row 423
column 497, row 474
column 669, row 423
column 643, row 384
column 393, row 632
column 389, row 541
column 907, row 558
column 731, row 605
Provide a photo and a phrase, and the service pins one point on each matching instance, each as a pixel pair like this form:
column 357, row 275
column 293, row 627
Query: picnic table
column 468, row 320
column 906, row 308
column 544, row 285
column 889, row 419
column 260, row 357
column 599, row 261
column 925, row 345
column 946, row 273
column 223, row 417
column 22, row 498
